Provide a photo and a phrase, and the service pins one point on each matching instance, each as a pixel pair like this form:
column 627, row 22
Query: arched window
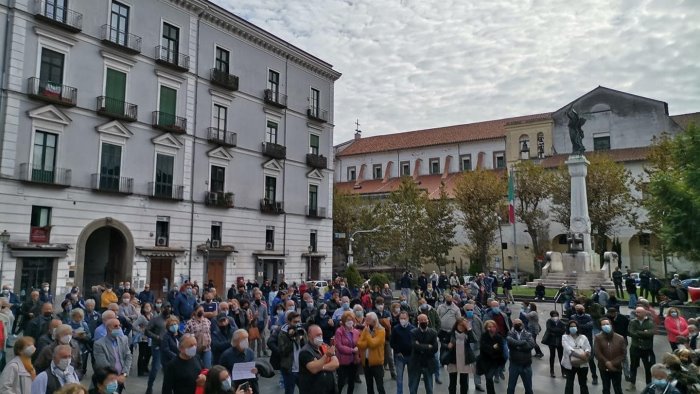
column 524, row 147
column 540, row 145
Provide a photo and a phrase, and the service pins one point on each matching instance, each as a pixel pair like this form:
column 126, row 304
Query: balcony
column 224, row 79
column 117, row 109
column 317, row 114
column 275, row 99
column 165, row 191
column 40, row 234
column 222, row 137
column 218, row 199
column 316, row 212
column 52, row 92
column 169, row 122
column 316, row 161
column 129, row 43
column 60, row 177
column 273, row 207
column 274, row 151
column 51, row 13
column 172, row 59
column 112, row 184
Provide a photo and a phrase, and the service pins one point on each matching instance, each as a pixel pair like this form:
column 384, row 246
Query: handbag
column 449, row 356
column 253, row 333
column 578, row 361
column 545, row 338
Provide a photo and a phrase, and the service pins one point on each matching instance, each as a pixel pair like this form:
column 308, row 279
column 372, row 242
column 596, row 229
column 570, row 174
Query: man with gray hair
column 660, row 383
column 371, row 350
column 62, row 335
column 641, row 330
column 59, row 373
column 240, row 352
column 101, row 330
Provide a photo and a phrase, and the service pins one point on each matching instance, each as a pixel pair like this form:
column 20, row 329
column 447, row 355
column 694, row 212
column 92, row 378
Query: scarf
column 27, row 362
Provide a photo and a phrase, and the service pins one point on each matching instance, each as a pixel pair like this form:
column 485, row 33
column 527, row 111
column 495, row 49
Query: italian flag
column 511, row 198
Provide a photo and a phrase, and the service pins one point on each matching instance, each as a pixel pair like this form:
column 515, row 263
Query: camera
column 300, row 329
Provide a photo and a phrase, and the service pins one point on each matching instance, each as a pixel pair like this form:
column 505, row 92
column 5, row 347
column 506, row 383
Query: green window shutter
column 168, row 105
column 115, row 91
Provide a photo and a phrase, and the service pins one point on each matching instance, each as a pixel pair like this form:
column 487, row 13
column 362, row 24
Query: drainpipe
column 5, row 57
column 284, row 169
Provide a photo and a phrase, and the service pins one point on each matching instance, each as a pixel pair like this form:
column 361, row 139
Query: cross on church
column 357, row 125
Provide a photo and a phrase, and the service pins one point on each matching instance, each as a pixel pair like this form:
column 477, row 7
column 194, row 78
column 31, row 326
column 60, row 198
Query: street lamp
column 4, row 239
column 500, row 234
column 350, row 241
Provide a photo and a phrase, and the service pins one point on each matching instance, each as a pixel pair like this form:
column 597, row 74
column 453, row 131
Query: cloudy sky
column 413, row 64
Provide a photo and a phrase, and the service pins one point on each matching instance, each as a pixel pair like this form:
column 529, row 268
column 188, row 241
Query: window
column 313, row 199
column 313, row 144
column 216, row 231
column 270, row 189
column 270, row 238
column 168, row 102
column 162, row 230
column 170, row 43
column 41, row 216
column 115, row 91
column 44, row 157
column 352, row 174
column 271, row 134
column 540, row 145
column 273, row 83
column 313, row 241
column 435, row 166
column 315, row 102
column 499, row 160
column 220, row 114
column 119, row 24
column 218, row 177
column 110, row 166
column 222, row 60
column 405, row 168
column 55, row 9
column 466, row 162
column 377, row 171
column 524, row 147
column 601, row 142
column 51, row 71
column 164, row 175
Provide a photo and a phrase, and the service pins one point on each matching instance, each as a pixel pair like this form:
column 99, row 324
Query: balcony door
column 270, row 189
column 218, row 177
column 44, row 157
column 115, row 91
column 315, row 102
column 273, row 83
column 167, row 108
column 164, row 175
column 51, row 73
column 313, row 200
column 222, row 61
column 56, row 10
column 170, row 42
column 110, row 167
column 119, row 24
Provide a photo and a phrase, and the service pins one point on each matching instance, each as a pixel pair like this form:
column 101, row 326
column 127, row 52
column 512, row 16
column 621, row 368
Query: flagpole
column 513, row 222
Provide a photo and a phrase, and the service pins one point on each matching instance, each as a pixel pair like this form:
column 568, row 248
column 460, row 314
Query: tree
column 533, row 188
column 479, row 196
column 353, row 277
column 610, row 202
column 441, row 224
column 672, row 196
column 345, row 217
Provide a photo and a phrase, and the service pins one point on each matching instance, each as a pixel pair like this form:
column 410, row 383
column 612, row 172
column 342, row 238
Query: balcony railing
column 169, row 122
column 317, row 114
column 123, row 40
column 219, row 199
column 269, row 206
column 316, row 161
column 50, row 12
column 165, row 191
column 56, row 177
column 117, row 109
column 172, row 59
column 224, row 79
column 112, row 184
column 274, row 151
column 276, row 99
column 316, row 212
column 52, row 92
column 221, row 137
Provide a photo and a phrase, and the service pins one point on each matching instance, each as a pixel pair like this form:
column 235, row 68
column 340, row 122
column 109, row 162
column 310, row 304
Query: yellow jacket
column 372, row 344
column 108, row 297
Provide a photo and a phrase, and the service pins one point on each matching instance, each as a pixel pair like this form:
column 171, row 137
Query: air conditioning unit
column 161, row 241
column 215, row 243
column 268, row 246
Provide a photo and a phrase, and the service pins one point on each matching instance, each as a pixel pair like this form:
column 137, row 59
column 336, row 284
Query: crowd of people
column 323, row 339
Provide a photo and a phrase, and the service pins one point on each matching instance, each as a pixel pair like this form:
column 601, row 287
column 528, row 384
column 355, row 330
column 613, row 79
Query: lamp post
column 500, row 235
column 4, row 239
column 350, row 241
column 205, row 255
column 310, row 248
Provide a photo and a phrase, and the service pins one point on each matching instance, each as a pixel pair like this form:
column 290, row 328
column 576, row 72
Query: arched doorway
column 105, row 253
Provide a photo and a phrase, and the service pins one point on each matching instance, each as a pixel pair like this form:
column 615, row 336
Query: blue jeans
column 155, row 366
column 633, row 301
column 523, row 371
column 206, row 359
column 400, row 363
column 290, row 381
column 414, row 377
column 438, row 366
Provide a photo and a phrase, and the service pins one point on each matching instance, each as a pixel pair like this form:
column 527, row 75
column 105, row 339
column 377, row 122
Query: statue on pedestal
column 575, row 131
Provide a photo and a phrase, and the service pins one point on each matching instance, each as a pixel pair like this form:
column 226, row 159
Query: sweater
column 371, row 345
column 401, row 340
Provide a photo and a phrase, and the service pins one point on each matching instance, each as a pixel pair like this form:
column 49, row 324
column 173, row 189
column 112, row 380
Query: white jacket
column 570, row 344
column 15, row 379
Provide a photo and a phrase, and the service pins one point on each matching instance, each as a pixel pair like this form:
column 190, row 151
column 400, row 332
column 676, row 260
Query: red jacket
column 675, row 327
column 366, row 301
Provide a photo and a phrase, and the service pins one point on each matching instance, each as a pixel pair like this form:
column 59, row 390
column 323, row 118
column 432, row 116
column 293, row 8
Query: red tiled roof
column 618, row 155
column 684, row 120
column 437, row 136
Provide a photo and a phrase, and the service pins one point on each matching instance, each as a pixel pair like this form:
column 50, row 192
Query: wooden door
column 161, row 276
column 215, row 273
column 314, row 271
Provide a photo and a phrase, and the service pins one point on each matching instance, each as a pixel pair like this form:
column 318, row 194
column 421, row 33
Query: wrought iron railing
column 117, row 109
column 112, row 183
column 55, row 176
column 172, row 58
column 52, row 92
column 221, row 137
column 121, row 39
column 53, row 13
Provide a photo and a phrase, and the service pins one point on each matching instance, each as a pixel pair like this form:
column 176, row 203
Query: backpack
column 275, row 359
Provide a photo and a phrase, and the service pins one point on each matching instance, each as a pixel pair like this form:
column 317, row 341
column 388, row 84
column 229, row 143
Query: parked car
column 634, row 275
column 321, row 285
column 692, row 282
column 468, row 278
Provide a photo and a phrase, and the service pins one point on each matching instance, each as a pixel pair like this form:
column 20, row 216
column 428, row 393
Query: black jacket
column 553, row 333
column 520, row 345
column 621, row 325
column 423, row 352
column 491, row 351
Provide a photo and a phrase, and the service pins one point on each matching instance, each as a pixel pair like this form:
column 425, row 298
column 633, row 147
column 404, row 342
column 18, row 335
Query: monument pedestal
column 579, row 222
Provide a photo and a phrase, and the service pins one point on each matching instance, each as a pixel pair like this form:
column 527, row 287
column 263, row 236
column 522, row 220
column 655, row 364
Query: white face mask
column 191, row 351
column 63, row 364
column 403, row 322
column 243, row 344
column 29, row 350
column 318, row 341
column 65, row 339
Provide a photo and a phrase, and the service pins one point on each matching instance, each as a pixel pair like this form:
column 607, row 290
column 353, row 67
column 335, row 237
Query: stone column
column 579, row 222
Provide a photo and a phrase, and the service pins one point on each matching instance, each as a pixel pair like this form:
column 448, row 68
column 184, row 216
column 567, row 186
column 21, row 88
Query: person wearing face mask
column 344, row 307
column 104, row 381
column 610, row 351
column 324, row 320
column 19, row 373
column 401, row 347
column 317, row 364
column 170, row 340
column 371, row 350
column 184, row 303
column 63, row 335
column 146, row 295
column 38, row 325
column 7, row 320
column 155, row 331
column 127, row 310
column 261, row 317
column 533, row 326
column 661, row 381
column 221, row 335
column 385, row 320
column 641, row 330
column 424, row 345
column 219, row 382
column 346, row 338
column 200, row 327
column 113, row 351
column 359, row 316
column 45, row 293
column 477, row 329
column 676, row 326
column 554, row 330
column 59, row 373
column 520, row 344
column 108, row 296
column 577, row 351
column 182, row 375
column 585, row 327
column 290, row 340
column 308, row 310
column 142, row 339
column 240, row 352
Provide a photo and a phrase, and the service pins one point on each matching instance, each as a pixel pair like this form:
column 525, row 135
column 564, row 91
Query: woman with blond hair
column 491, row 354
column 19, row 372
column 72, row 388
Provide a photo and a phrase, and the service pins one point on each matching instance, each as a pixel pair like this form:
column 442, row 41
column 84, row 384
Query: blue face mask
column 189, row 291
column 346, row 305
column 111, row 387
column 607, row 328
column 470, row 314
column 659, row 382
column 495, row 310
column 226, row 385
column 173, row 328
column 573, row 330
column 117, row 332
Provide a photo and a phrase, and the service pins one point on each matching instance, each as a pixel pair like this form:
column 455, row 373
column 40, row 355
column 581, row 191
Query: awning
column 160, row 251
column 21, row 249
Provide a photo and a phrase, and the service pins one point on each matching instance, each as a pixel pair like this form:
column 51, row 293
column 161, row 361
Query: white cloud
column 411, row 64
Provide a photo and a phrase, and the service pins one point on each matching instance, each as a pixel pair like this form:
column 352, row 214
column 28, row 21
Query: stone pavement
column 542, row 382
